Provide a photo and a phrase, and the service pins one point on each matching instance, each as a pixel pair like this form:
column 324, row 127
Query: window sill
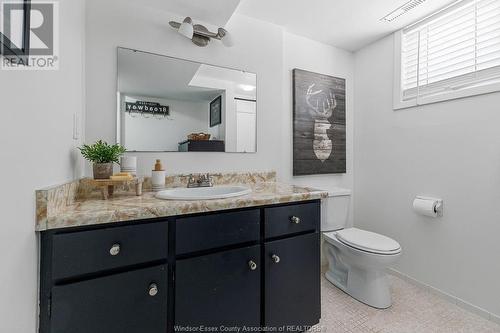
column 448, row 96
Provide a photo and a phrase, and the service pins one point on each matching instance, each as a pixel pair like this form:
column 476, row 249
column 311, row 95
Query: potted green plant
column 103, row 156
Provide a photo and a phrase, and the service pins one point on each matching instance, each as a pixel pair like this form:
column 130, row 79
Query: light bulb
column 186, row 28
column 247, row 87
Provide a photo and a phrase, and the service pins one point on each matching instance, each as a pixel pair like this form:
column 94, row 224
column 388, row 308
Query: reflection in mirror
column 168, row 104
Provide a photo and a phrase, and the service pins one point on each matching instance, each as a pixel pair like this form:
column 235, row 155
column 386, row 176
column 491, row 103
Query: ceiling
column 149, row 75
column 216, row 12
column 223, row 78
column 226, row 74
column 348, row 24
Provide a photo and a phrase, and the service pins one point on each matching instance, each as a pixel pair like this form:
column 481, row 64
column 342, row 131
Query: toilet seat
column 368, row 241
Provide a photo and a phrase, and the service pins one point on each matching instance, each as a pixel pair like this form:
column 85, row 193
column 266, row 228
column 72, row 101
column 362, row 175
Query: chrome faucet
column 204, row 180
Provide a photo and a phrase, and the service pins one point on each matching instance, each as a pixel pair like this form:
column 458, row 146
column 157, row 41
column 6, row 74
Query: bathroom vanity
column 255, row 266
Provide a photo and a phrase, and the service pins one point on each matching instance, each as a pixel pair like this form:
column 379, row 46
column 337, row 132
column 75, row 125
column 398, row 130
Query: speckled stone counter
column 75, row 204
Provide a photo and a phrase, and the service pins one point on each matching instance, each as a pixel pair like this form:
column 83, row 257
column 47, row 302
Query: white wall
column 150, row 134
column 37, row 149
column 113, row 23
column 449, row 150
column 303, row 53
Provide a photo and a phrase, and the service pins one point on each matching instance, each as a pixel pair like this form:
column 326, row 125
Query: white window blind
column 451, row 52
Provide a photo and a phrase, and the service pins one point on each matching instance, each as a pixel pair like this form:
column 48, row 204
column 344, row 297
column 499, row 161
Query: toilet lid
column 368, row 241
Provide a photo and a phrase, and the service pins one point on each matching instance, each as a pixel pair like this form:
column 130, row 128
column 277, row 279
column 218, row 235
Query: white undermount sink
column 203, row 193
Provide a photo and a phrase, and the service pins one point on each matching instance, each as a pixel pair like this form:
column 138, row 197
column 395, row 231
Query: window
column 15, row 16
column 452, row 54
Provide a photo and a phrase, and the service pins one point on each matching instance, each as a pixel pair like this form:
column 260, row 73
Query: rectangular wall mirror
column 168, row 104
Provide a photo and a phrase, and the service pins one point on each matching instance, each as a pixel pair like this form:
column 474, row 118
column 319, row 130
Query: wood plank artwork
column 319, row 124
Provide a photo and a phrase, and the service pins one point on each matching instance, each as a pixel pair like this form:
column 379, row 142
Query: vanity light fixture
column 199, row 34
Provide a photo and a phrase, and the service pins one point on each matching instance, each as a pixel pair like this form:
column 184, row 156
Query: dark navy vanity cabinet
column 254, row 267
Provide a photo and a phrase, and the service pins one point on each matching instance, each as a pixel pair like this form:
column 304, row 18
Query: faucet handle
column 191, row 180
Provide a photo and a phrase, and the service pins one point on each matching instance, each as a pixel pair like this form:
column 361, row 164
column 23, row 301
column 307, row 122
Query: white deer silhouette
column 321, row 111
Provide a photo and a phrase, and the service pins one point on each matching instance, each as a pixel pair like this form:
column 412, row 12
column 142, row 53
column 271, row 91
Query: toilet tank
column 335, row 210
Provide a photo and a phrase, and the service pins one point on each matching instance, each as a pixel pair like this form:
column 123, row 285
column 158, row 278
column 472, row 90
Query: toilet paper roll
column 426, row 206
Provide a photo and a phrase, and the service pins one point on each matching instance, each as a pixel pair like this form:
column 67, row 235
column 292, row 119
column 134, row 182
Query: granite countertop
column 91, row 210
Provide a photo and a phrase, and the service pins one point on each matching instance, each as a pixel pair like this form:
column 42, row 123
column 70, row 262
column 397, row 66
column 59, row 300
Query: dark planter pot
column 103, row 170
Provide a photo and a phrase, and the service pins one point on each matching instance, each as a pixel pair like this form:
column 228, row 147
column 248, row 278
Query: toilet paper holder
column 438, row 208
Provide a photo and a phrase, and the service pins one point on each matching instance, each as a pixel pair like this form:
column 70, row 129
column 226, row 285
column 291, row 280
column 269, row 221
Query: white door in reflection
column 246, row 122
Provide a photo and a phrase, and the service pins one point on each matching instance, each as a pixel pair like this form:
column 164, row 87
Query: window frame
column 5, row 43
column 400, row 103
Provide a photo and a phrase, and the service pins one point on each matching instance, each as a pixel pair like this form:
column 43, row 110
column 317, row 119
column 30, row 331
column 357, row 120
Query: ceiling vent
column 402, row 10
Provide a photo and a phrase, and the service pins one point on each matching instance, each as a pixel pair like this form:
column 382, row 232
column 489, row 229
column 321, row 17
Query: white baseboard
column 455, row 300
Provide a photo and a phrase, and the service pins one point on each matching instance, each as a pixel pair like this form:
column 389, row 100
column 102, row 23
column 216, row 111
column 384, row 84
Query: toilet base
column 370, row 288
column 361, row 275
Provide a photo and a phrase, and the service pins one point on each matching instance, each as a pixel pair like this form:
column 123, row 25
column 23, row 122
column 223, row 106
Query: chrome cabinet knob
column 252, row 265
column 114, row 250
column 295, row 219
column 153, row 289
column 275, row 258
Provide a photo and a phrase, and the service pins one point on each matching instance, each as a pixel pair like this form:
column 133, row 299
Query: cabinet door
column 221, row 289
column 126, row 302
column 292, row 282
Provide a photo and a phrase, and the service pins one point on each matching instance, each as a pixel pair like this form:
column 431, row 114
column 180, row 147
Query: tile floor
column 414, row 310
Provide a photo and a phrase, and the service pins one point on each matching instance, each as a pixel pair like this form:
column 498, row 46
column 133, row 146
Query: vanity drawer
column 284, row 220
column 206, row 232
column 92, row 251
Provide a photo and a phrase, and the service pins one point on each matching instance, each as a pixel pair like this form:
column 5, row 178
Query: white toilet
column 357, row 259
